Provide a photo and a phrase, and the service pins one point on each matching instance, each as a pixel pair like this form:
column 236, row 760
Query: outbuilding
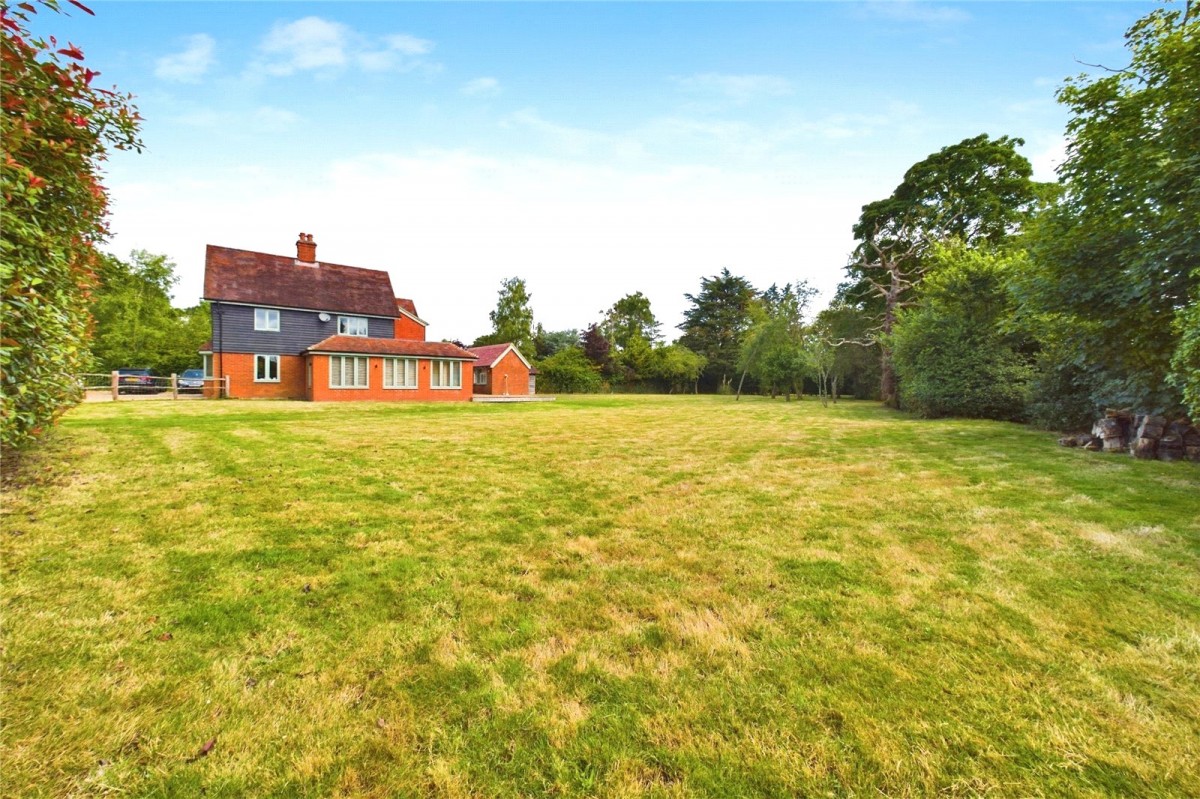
column 501, row 370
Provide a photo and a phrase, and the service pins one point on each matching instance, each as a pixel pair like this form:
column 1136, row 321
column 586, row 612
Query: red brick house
column 297, row 328
column 501, row 369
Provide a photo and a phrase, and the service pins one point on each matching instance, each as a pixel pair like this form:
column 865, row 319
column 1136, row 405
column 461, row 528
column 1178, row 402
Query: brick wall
column 239, row 366
column 509, row 377
column 408, row 329
column 321, row 392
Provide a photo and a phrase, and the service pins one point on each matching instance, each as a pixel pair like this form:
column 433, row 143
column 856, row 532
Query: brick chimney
column 306, row 249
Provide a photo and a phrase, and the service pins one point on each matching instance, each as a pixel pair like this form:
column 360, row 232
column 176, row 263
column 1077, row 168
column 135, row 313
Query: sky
column 592, row 149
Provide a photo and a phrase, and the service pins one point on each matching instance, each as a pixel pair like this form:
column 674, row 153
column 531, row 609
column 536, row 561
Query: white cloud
column 313, row 43
column 189, row 65
column 740, row 88
column 481, row 87
column 408, row 45
column 308, row 43
column 917, row 11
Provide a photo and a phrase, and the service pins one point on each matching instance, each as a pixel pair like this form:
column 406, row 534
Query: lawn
column 633, row 596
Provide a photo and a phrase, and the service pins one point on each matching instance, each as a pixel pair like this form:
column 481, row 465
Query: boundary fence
column 113, row 386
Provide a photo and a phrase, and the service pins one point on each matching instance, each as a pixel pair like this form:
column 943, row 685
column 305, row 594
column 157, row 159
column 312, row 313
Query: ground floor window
column 399, row 373
column 208, row 365
column 480, row 377
column 348, row 371
column 266, row 368
column 445, row 374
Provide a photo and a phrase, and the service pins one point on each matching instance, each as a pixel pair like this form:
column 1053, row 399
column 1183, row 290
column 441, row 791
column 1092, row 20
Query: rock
column 1068, row 441
column 1115, row 444
column 1192, row 453
column 1094, row 444
column 1170, row 448
column 1107, row 428
column 1083, row 439
column 1145, row 448
column 1152, row 427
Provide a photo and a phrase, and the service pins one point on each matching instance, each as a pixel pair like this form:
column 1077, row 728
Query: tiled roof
column 391, row 346
column 256, row 277
column 206, row 346
column 489, row 353
column 408, row 306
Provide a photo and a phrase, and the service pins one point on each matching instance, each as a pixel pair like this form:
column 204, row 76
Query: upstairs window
column 352, row 326
column 266, row 319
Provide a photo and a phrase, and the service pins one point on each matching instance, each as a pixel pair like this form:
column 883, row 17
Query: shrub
column 570, row 372
column 951, row 356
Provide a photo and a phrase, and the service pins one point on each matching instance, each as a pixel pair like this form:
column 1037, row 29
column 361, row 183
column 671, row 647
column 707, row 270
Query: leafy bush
column 570, row 372
column 951, row 355
column 55, row 128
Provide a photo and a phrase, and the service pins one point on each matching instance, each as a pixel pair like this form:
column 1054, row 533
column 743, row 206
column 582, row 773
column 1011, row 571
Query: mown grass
column 636, row 596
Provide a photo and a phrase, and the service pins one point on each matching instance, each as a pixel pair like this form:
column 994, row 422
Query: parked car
column 135, row 381
column 191, row 380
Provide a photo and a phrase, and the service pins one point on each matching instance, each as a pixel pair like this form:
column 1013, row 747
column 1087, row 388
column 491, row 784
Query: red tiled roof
column 391, row 346
column 488, row 353
column 206, row 346
column 256, row 277
column 407, row 306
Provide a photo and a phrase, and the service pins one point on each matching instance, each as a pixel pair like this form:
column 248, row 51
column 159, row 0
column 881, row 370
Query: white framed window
column 266, row 368
column 208, row 365
column 445, row 374
column 352, row 326
column 480, row 376
column 266, row 319
column 399, row 373
column 349, row 371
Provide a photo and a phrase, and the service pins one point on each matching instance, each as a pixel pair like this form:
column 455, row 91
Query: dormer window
column 352, row 326
column 266, row 319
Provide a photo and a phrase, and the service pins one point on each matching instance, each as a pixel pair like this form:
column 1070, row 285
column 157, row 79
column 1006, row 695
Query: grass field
column 641, row 596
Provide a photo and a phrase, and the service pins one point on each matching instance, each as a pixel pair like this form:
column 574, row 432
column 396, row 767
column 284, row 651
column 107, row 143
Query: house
column 501, row 369
column 297, row 328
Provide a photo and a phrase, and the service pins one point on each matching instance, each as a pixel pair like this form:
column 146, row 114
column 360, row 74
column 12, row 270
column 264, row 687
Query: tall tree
column 1119, row 254
column 978, row 191
column 631, row 318
column 715, row 323
column 55, row 129
column 512, row 321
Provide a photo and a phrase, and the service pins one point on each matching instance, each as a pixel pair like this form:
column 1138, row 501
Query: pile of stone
column 1142, row 435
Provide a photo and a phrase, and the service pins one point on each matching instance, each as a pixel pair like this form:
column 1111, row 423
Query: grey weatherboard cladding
column 233, row 330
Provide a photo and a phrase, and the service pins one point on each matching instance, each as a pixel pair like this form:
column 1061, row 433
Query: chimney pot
column 306, row 249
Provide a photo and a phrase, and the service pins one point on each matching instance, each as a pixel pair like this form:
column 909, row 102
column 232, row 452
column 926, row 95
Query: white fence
column 101, row 387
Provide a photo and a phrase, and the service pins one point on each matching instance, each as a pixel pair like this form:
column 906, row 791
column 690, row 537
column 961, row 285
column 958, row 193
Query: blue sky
column 594, row 149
